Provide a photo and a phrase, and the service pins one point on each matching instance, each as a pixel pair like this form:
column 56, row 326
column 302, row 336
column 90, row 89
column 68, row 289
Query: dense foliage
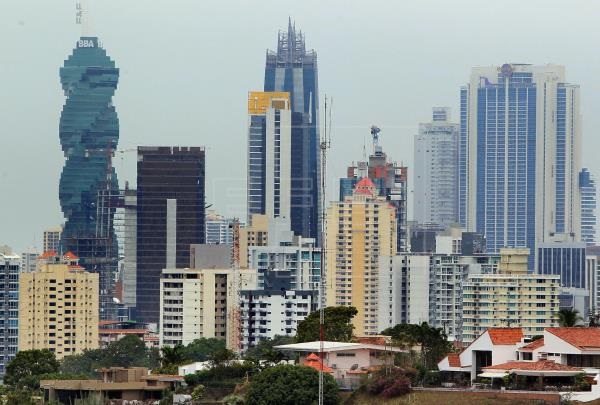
column 221, row 375
column 432, row 341
column 338, row 325
column 28, row 364
column 568, row 317
column 287, row 384
column 127, row 352
column 264, row 353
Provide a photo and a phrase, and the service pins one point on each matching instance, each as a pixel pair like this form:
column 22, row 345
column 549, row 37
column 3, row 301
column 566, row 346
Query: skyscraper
column 219, row 230
column 89, row 132
column 9, row 309
column 436, row 170
column 519, row 155
column 170, row 217
column 293, row 69
column 360, row 229
column 390, row 180
column 587, row 188
column 269, row 154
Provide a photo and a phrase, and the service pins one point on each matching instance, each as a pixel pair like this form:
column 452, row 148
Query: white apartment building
column 512, row 297
column 52, row 239
column 436, row 167
column 196, row 303
column 269, row 313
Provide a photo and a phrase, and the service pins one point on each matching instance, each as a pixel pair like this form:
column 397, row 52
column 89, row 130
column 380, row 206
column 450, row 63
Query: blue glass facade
column 89, row 132
column 463, row 154
column 587, row 187
column 293, row 69
column 566, row 261
column 9, row 310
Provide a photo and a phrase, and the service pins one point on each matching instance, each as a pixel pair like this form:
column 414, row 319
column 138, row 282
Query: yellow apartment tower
column 359, row 229
column 58, row 306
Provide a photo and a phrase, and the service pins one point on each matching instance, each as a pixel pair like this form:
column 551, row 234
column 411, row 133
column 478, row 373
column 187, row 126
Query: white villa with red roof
column 562, row 352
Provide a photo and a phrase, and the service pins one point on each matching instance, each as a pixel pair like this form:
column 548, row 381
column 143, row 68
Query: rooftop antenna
column 375, row 130
column 325, row 144
column 82, row 17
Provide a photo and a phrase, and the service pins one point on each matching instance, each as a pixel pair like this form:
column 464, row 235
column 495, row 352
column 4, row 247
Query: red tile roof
column 70, row 256
column 505, row 336
column 583, row 338
column 533, row 345
column 365, row 186
column 542, row 365
column 122, row 331
column 312, row 360
column 454, row 360
column 47, row 254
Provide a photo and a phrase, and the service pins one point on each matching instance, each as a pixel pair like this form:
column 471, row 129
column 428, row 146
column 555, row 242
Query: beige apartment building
column 58, row 306
column 197, row 303
column 255, row 234
column 512, row 297
column 359, row 230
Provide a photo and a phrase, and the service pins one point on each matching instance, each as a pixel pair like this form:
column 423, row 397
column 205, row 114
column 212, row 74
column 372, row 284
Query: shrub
column 233, row 399
column 198, row 392
column 398, row 386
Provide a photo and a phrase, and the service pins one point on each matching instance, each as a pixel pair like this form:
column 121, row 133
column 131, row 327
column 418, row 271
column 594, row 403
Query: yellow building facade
column 359, row 229
column 58, row 306
column 255, row 234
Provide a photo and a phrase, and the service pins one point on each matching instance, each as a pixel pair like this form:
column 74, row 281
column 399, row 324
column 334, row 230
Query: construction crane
column 234, row 311
column 325, row 144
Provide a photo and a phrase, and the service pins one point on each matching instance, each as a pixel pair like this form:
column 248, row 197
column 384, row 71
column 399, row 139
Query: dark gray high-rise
column 170, row 217
column 293, row 69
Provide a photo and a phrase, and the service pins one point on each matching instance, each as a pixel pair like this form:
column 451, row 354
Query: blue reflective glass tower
column 519, row 156
column 294, row 69
column 89, row 131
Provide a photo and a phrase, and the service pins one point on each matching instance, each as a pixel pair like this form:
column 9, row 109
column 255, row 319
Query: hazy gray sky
column 186, row 68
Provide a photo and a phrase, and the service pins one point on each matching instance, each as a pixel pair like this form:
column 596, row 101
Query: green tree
column 221, row 357
column 198, row 392
column 287, row 384
column 338, row 325
column 264, row 351
column 30, row 363
column 433, row 341
column 201, row 349
column 568, row 317
column 172, row 355
column 127, row 352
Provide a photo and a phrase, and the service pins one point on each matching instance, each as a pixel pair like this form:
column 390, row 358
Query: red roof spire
column 365, row 186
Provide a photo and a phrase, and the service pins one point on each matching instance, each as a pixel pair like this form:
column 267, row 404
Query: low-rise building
column 117, row 384
column 58, row 306
column 113, row 331
column 561, row 352
column 349, row 362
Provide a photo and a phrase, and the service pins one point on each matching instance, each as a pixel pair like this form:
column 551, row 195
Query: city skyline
column 398, row 119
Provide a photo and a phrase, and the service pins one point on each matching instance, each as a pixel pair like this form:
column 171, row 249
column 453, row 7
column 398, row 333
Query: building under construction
column 390, row 180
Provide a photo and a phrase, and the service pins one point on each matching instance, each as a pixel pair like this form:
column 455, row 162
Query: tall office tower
column 89, row 132
column 390, row 180
column 129, row 269
column 219, row 230
column 269, row 154
column 256, row 234
column 170, row 217
column 52, row 239
column 58, row 307
column 360, row 228
column 587, row 189
column 519, row 155
column 436, row 169
column 29, row 260
column 9, row 309
column 293, row 69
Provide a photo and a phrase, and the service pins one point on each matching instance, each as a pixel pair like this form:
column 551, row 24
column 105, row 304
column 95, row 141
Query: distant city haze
column 186, row 68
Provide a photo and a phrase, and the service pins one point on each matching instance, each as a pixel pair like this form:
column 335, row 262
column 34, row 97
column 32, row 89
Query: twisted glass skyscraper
column 293, row 69
column 89, row 131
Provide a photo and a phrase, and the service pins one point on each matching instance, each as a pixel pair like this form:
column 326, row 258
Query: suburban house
column 346, row 362
column 561, row 352
column 117, row 384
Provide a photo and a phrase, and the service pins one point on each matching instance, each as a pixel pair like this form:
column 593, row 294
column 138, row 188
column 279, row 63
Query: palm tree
column 568, row 317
